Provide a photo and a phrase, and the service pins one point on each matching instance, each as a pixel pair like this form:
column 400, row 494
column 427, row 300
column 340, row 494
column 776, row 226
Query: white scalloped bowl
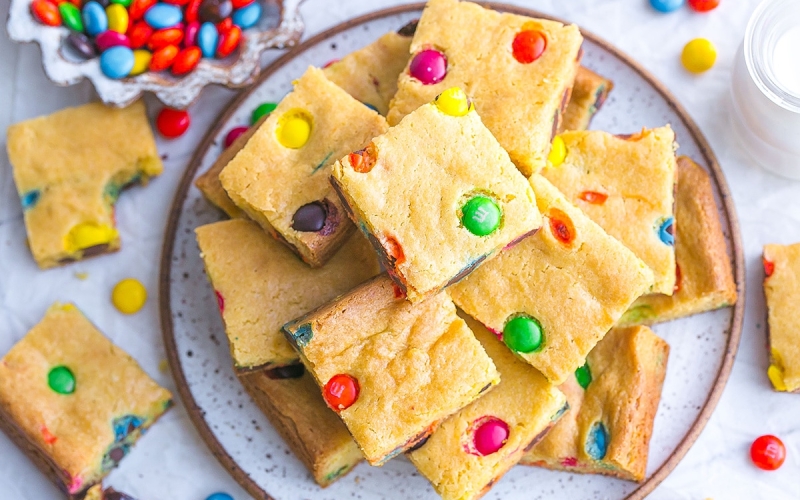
column 280, row 26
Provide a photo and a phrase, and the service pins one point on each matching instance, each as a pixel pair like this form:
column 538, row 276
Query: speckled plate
column 703, row 346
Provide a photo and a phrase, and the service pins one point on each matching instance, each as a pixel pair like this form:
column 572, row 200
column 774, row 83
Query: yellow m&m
column 129, row 296
column 699, row 55
column 454, row 102
column 558, row 152
column 294, row 129
column 88, row 234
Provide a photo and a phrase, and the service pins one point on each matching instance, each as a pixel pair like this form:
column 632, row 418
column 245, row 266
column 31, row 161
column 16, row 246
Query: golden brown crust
column 706, row 273
column 782, row 266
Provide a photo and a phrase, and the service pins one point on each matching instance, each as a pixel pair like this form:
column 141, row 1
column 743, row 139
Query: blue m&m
column 667, row 5
column 117, row 62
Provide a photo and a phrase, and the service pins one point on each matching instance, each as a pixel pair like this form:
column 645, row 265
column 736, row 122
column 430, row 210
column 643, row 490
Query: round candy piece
column 453, row 102
column 528, row 46
column 46, row 13
column 94, row 18
column 172, row 123
column 139, row 7
column 190, row 39
column 490, row 436
column 310, row 217
column 699, row 55
column 186, row 60
column 71, row 16
column 558, row 151
column 523, row 334
column 81, row 45
column 263, row 109
column 118, row 19
column 341, row 391
column 163, row 15
column 666, row 230
column 30, row 199
column 583, row 375
column 248, row 16
column 108, row 39
column 88, row 234
column 139, row 34
column 234, row 134
column 117, row 62
column 61, row 380
column 163, row 58
column 207, row 39
column 219, row 496
column 703, row 5
column 429, row 66
column 481, row 215
column 768, row 452
column 667, row 5
column 167, row 36
column 593, row 197
column 215, row 10
column 561, row 226
column 224, row 26
column 129, row 296
column 141, row 61
column 228, row 42
column 294, row 129
column 597, row 441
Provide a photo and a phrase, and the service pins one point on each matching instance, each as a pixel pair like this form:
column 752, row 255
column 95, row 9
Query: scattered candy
column 30, row 199
column 190, row 39
column 141, row 61
column 768, row 452
column 88, row 234
column 667, row 5
column 95, row 19
column 666, row 230
column 597, row 441
column 429, row 66
column 214, row 10
column 453, row 102
column 523, row 334
column 558, row 152
column 139, row 7
column 172, row 123
column 118, row 18
column 129, row 296
column 228, row 42
column 162, row 15
column 186, row 60
column 164, row 37
column 71, row 16
column 528, row 46
column 108, row 39
column 699, row 55
column 294, row 129
column 61, row 380
column 481, row 215
column 191, row 12
column 310, row 217
column 593, row 197
column 46, row 13
column 769, row 267
column 207, row 39
column 233, row 135
column 117, row 62
column 81, row 45
column 163, row 58
column 490, row 435
column 224, row 26
column 248, row 16
column 139, row 34
column 219, row 496
column 703, row 5
column 341, row 391
column 263, row 109
column 364, row 160
column 561, row 226
column 583, row 375
column 285, row 372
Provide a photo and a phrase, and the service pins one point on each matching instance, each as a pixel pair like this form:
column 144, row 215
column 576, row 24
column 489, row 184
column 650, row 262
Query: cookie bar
column 589, row 93
column 626, row 185
column 782, row 270
column 370, row 74
column 391, row 369
column 70, row 167
column 474, row 448
column 73, row 401
column 97, row 492
column 554, row 295
column 280, row 177
column 704, row 275
column 518, row 70
column 260, row 285
column 290, row 399
column 613, row 402
column 437, row 195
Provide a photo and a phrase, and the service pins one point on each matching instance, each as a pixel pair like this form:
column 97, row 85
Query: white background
column 173, row 463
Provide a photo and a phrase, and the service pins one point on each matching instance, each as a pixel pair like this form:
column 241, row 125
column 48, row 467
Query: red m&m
column 768, row 452
column 703, row 5
column 528, row 46
column 561, row 226
column 341, row 391
column 172, row 123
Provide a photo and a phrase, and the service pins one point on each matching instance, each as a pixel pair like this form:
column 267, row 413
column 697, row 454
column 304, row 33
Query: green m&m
column 61, row 380
column 481, row 215
column 583, row 375
column 523, row 334
column 262, row 110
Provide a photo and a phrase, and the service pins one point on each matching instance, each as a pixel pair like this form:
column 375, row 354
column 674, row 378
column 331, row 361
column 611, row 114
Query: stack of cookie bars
column 490, row 309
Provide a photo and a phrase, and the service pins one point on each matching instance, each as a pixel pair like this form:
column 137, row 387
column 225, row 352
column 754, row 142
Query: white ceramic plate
column 241, row 437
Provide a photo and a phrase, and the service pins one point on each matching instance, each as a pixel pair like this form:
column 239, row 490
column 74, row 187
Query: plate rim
column 196, row 414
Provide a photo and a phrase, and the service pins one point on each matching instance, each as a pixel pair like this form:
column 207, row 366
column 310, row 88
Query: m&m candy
column 597, row 441
column 294, row 129
column 207, row 39
column 248, row 16
column 481, row 215
column 141, row 61
column 172, row 123
column 528, row 46
column 234, row 134
column 523, row 334
column 453, row 102
column 263, row 109
column 699, row 55
column 768, row 452
column 186, row 60
column 117, row 62
column 667, row 5
column 219, row 496
column 228, row 42
column 108, row 39
column 163, row 58
column 71, row 16
column 118, row 18
column 163, row 15
column 703, row 5
column 46, row 12
column 61, row 380
column 429, row 66
column 95, row 19
column 561, row 226
column 489, row 436
column 341, row 391
column 129, row 296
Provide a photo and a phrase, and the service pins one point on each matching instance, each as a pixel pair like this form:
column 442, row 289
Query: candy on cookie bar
column 782, row 274
column 391, row 369
column 73, row 401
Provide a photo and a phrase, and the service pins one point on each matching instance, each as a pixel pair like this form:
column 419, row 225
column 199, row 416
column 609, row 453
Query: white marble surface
column 172, row 462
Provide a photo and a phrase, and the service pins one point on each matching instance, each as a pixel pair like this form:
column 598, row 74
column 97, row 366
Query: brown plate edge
column 735, row 331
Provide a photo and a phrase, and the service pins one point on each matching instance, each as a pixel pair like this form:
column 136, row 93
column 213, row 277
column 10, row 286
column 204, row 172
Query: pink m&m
column 489, row 436
column 108, row 39
column 429, row 66
column 234, row 134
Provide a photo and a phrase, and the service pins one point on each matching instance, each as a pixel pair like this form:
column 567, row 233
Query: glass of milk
column 766, row 87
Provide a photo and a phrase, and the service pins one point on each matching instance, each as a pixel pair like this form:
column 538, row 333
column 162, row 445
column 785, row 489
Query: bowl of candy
column 172, row 48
